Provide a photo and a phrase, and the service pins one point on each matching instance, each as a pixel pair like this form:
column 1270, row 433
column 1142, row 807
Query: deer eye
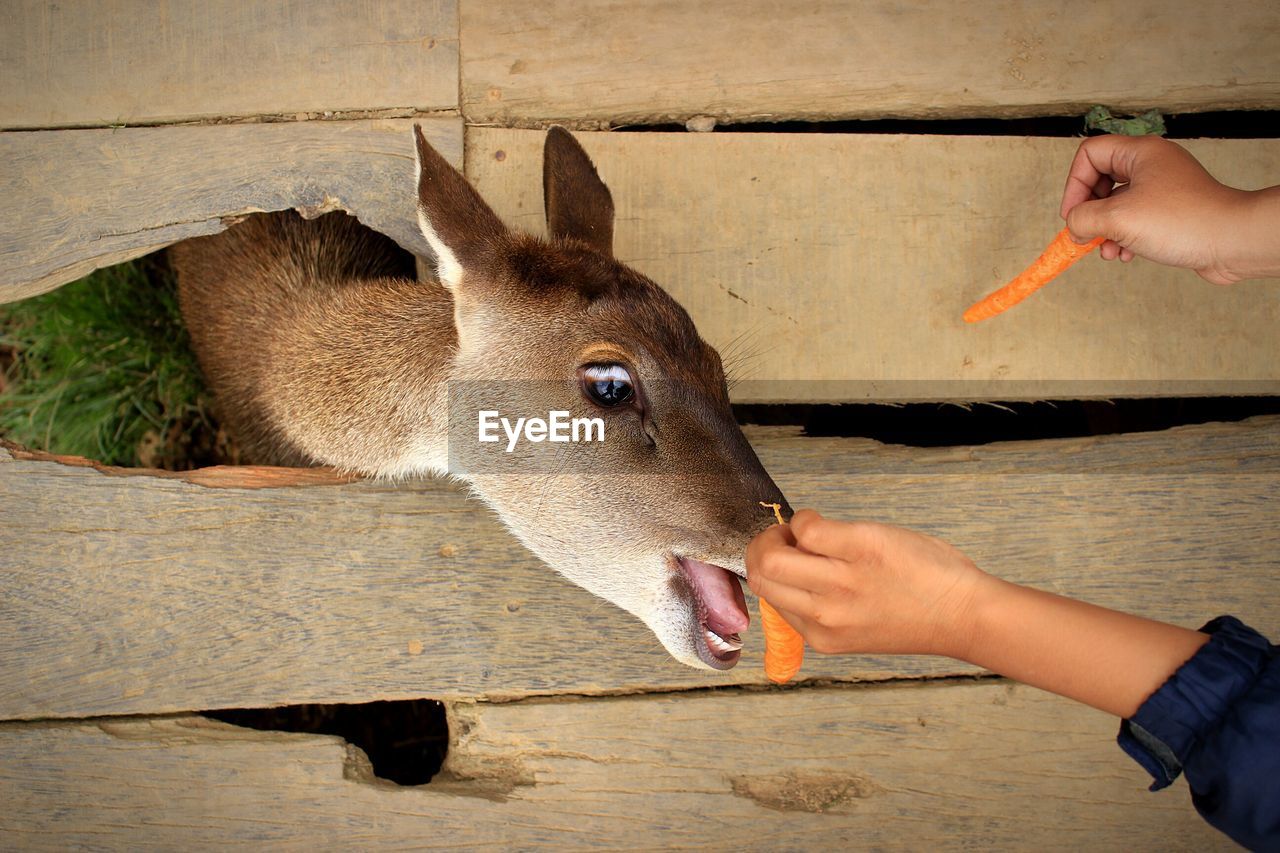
column 607, row 384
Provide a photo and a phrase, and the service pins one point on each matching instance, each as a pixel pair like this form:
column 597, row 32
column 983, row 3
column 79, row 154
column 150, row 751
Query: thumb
column 1090, row 219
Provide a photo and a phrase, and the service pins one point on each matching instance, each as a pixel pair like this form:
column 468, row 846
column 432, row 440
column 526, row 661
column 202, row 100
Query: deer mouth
column 720, row 609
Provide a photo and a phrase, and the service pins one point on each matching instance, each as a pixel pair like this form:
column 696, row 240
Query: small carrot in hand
column 783, row 645
column 1062, row 253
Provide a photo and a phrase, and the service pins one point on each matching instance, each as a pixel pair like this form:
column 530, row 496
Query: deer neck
column 358, row 376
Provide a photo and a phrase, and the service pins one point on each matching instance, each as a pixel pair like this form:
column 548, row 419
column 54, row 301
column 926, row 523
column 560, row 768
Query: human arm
column 1205, row 703
column 1150, row 198
column 874, row 588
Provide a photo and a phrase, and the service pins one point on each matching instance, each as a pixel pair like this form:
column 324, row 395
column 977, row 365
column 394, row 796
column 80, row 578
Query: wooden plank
column 942, row 766
column 837, row 267
column 79, row 200
column 128, row 62
column 609, row 62
column 138, row 594
column 903, row 211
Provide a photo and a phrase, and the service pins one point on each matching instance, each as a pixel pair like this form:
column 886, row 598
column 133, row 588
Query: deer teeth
column 732, row 643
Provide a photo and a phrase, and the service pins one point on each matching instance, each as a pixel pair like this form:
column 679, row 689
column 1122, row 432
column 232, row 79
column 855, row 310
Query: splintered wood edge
column 213, row 477
column 361, row 167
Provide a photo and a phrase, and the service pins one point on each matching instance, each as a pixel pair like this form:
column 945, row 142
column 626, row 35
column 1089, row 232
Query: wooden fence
column 131, row 600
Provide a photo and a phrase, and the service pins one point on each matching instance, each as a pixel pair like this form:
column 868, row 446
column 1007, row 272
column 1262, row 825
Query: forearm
column 1109, row 660
column 1256, row 249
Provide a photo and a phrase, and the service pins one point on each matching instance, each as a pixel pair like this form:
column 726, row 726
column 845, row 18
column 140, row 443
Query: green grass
column 103, row 368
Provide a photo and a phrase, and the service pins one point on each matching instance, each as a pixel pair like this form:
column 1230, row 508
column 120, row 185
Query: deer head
column 655, row 517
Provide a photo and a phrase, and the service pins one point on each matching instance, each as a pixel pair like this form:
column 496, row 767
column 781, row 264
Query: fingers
column 763, row 553
column 850, row 541
column 1082, row 188
column 775, row 559
column 798, row 569
column 1111, row 250
column 1105, row 187
column 1099, row 174
column 1100, row 161
column 812, row 572
column 1091, row 219
column 788, row 600
column 772, row 539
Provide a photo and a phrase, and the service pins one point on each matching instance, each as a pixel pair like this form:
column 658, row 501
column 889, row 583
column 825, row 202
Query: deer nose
column 771, row 494
column 784, row 510
column 757, row 512
column 761, row 493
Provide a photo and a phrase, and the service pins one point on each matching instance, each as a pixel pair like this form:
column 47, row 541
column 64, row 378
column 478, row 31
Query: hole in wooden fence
column 406, row 741
column 102, row 368
column 948, row 424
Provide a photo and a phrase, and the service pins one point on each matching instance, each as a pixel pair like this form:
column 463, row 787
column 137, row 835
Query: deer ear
column 578, row 203
column 461, row 229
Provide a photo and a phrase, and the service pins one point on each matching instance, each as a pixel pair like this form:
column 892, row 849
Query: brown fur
column 302, row 319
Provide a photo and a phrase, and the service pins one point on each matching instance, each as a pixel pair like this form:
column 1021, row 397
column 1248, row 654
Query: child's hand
column 1152, row 199
column 865, row 587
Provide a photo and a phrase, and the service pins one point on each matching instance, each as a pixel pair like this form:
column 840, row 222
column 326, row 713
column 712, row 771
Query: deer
column 321, row 348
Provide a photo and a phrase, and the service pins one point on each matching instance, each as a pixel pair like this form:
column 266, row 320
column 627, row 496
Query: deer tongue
column 721, row 605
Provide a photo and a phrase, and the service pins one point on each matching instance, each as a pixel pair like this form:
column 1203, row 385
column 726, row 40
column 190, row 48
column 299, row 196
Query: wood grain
column 940, row 766
column 610, row 62
column 858, row 298
column 79, row 200
column 123, row 595
column 837, row 267
column 128, row 62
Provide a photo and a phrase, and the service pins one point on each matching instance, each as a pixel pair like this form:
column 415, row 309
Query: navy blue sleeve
column 1217, row 719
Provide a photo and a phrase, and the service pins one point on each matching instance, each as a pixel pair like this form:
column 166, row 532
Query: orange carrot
column 1062, row 253
column 783, row 645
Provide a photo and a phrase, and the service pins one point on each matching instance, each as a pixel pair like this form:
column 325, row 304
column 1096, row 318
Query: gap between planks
column 693, row 691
